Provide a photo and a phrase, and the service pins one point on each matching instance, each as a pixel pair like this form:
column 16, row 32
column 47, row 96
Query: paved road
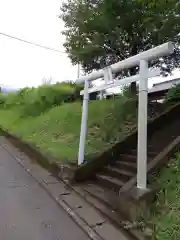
column 26, row 210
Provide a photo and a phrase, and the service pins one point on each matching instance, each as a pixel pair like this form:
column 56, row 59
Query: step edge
column 106, row 177
column 120, row 171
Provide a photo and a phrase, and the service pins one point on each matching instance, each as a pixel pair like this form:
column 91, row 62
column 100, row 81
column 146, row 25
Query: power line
column 37, row 45
column 32, row 43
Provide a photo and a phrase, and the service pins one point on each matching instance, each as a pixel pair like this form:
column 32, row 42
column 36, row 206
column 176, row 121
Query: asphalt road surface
column 26, row 210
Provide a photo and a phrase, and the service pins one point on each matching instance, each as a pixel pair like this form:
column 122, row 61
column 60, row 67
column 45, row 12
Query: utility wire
column 32, row 43
column 37, row 45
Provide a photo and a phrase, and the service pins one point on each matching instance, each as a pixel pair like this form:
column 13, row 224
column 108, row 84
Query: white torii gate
column 140, row 59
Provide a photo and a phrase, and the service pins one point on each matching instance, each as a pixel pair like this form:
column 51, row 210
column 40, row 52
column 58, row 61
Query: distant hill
column 8, row 90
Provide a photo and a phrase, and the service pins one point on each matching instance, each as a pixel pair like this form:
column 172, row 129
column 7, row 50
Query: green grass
column 57, row 130
column 164, row 216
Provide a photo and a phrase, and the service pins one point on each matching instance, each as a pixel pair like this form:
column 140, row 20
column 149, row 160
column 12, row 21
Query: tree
column 102, row 32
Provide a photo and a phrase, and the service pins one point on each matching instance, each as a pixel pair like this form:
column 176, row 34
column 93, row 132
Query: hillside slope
column 50, row 117
column 164, row 216
column 57, row 130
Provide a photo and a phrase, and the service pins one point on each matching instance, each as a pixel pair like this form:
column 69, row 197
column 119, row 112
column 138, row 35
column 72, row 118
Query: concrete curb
column 46, row 160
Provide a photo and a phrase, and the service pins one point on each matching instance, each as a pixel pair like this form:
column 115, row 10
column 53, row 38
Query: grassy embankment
column 48, row 118
column 163, row 217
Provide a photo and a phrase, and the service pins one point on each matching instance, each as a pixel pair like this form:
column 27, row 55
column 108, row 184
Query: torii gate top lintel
column 151, row 54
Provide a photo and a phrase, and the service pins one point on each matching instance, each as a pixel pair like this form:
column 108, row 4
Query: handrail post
column 82, row 141
column 142, row 126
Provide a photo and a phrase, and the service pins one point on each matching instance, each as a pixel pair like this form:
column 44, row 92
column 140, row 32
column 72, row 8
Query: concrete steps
column 127, row 166
column 109, row 182
column 115, row 175
column 120, row 173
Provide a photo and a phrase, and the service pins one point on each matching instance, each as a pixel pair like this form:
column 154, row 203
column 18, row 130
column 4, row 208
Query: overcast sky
column 34, row 20
column 25, row 65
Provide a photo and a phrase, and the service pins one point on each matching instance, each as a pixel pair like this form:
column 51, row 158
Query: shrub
column 46, row 96
column 11, row 99
column 173, row 94
column 3, row 97
column 126, row 91
column 34, row 101
column 112, row 116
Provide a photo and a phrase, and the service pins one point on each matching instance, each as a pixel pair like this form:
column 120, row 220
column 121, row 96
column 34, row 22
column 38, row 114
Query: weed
column 164, row 215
